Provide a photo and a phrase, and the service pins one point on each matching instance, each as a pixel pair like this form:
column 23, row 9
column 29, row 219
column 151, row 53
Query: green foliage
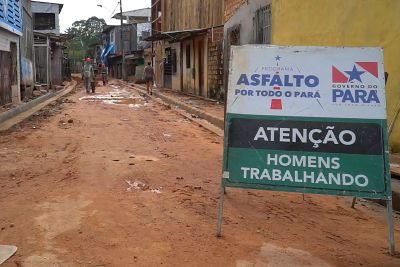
column 86, row 33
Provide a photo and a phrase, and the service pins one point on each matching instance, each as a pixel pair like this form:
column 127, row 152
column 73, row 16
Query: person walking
column 88, row 74
column 104, row 74
column 149, row 78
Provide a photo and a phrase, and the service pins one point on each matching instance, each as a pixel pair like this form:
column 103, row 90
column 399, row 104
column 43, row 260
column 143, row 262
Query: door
column 200, row 67
column 188, row 68
column 41, row 64
column 5, row 78
column 168, row 68
column 15, row 90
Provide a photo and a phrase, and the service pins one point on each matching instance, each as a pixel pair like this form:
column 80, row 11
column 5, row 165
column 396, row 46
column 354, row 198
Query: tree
column 86, row 33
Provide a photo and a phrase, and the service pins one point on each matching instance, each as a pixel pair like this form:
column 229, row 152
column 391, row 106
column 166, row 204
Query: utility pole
column 122, row 42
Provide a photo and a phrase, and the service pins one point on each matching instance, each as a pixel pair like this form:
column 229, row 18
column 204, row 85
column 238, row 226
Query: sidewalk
column 19, row 113
column 207, row 109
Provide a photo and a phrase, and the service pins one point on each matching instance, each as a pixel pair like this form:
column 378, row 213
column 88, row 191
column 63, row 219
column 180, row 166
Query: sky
column 74, row 10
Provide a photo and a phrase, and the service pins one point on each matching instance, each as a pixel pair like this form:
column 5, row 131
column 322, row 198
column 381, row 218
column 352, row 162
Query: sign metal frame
column 239, row 146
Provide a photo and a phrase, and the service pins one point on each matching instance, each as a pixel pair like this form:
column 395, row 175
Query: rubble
column 140, row 186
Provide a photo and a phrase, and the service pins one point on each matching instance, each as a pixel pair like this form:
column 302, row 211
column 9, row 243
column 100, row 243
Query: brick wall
column 216, row 34
column 231, row 6
column 215, row 63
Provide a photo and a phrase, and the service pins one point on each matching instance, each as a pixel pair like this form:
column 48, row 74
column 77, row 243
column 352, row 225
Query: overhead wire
column 111, row 15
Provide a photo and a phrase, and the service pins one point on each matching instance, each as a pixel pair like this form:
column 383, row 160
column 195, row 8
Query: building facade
column 111, row 38
column 323, row 23
column 48, row 43
column 139, row 25
column 27, row 51
column 187, row 45
column 11, row 29
column 46, row 17
column 140, row 20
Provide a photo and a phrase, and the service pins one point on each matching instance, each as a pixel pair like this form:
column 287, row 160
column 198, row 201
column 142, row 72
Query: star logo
column 359, row 69
column 278, row 58
column 355, row 74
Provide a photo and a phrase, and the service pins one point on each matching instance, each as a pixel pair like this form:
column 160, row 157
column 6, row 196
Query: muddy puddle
column 117, row 97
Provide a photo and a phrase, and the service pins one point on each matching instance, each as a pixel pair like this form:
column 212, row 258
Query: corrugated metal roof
column 144, row 12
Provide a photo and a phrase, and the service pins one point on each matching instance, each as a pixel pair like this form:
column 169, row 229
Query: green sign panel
column 307, row 119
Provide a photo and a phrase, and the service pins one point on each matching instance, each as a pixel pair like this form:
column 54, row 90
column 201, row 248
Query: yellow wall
column 346, row 23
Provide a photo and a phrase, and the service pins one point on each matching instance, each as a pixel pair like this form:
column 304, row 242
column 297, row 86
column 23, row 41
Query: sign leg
column 220, row 211
column 353, row 204
column 392, row 249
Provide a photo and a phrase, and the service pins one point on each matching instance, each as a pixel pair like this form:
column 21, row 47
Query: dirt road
column 93, row 183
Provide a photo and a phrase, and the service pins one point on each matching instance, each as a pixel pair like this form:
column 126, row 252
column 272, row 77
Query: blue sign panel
column 11, row 15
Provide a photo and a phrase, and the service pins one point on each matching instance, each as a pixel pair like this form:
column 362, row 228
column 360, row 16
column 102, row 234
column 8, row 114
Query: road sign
column 307, row 119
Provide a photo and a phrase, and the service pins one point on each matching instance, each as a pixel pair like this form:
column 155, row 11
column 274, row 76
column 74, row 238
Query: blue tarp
column 108, row 50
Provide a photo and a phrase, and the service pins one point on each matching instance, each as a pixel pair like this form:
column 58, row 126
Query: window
column 126, row 32
column 234, row 35
column 145, row 34
column 10, row 14
column 112, row 37
column 173, row 61
column 262, row 25
column 188, row 56
column 44, row 21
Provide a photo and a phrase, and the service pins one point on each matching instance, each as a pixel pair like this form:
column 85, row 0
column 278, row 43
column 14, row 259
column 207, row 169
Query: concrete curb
column 25, row 107
column 16, row 115
column 201, row 122
column 219, row 122
column 396, row 194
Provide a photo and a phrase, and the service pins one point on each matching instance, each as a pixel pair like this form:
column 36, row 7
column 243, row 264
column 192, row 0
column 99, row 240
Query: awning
column 60, row 38
column 132, row 56
column 176, row 35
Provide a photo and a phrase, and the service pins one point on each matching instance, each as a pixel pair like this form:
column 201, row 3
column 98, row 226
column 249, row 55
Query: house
column 137, row 29
column 112, row 53
column 141, row 20
column 27, row 51
column 355, row 23
column 11, row 29
column 187, row 40
column 48, row 43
